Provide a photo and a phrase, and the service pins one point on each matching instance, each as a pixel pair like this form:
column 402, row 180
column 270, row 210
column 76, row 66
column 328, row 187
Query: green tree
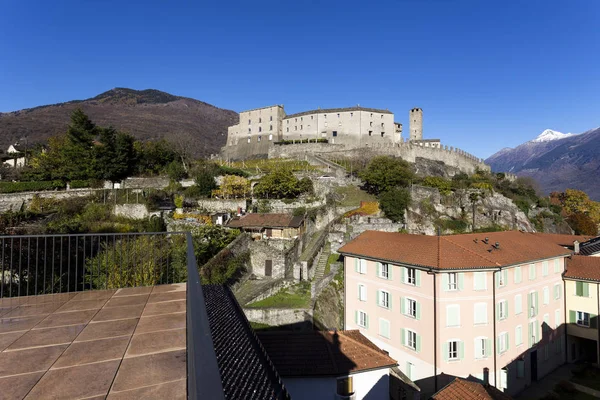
column 394, row 203
column 278, row 184
column 205, row 181
column 583, row 224
column 77, row 151
column 385, row 173
column 153, row 157
column 176, row 171
column 443, row 185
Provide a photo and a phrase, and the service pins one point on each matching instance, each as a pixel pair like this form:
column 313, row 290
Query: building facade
column 451, row 306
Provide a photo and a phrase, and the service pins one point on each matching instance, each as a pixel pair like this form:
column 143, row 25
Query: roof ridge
column 329, row 350
column 470, row 251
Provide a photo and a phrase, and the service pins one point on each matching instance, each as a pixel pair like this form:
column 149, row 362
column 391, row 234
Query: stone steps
column 321, row 264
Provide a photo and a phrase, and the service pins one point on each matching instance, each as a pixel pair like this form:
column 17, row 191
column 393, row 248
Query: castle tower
column 415, row 119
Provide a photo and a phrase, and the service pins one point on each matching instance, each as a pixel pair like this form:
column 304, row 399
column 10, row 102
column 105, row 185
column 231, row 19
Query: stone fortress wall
column 261, row 133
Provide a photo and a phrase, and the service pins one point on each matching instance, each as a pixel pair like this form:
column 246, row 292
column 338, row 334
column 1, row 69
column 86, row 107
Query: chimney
column 486, row 376
column 576, row 246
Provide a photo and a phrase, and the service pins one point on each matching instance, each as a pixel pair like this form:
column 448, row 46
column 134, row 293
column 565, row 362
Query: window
column 531, row 272
column 410, row 307
column 345, row 386
column 546, row 327
column 452, row 281
column 532, row 303
column 249, row 139
column 518, row 304
column 556, row 266
column 259, row 138
column 384, row 271
column 382, row 134
column 370, row 133
column 271, row 137
column 295, row 119
column 296, row 127
column 502, row 309
column 546, row 293
column 363, row 266
column 362, row 292
column 410, row 370
column 583, row 319
column 383, row 299
column 501, row 277
column 582, row 289
column 384, row 328
column 517, row 274
column 362, row 319
column 453, row 315
column 325, row 116
column 482, row 347
column 351, row 115
column 249, row 121
column 533, row 333
column 381, row 116
column 338, row 115
column 259, row 120
column 502, row 342
column 480, row 311
column 334, row 133
column 287, row 129
column 545, row 268
column 312, row 117
column 270, row 127
column 411, row 340
column 480, row 281
column 453, row 350
column 557, row 290
column 249, row 130
column 382, row 124
column 518, row 335
column 271, row 118
column 371, row 115
column 371, row 123
column 411, row 276
column 556, row 318
column 301, row 119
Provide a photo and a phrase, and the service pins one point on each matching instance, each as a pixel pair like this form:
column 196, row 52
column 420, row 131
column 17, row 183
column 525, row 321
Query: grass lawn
column 332, row 258
column 257, row 326
column 297, row 296
column 353, row 195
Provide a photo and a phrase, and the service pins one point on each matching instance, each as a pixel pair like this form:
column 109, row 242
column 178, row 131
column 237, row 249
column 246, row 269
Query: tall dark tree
column 77, row 149
column 385, row 173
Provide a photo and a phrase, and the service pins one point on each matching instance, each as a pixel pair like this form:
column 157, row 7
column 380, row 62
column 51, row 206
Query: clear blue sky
column 488, row 74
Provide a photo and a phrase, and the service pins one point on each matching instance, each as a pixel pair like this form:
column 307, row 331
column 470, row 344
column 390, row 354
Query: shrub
column 300, row 211
column 178, row 201
column 394, row 202
column 16, row 187
column 443, row 185
column 455, row 225
column 79, row 183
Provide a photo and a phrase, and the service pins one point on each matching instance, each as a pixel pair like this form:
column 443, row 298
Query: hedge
column 16, row 187
column 79, row 184
column 301, row 141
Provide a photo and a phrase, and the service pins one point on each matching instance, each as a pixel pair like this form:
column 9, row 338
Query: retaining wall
column 221, row 205
column 279, row 316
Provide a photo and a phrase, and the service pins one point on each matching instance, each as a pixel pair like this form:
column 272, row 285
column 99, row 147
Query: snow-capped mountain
column 549, row 135
column 558, row 161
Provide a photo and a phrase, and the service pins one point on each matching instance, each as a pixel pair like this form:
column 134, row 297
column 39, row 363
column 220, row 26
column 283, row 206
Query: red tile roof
column 323, row 353
column 454, row 251
column 266, row 221
column 563, row 240
column 583, row 267
column 461, row 389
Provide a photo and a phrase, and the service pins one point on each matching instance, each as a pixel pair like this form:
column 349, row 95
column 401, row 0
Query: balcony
column 121, row 316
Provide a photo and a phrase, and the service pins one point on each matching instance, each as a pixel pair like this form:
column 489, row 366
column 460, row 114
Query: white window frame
column 502, row 309
column 520, row 303
column 581, row 320
column 475, row 275
column 480, row 347
column 384, row 299
column 382, row 267
column 452, row 281
column 453, row 349
column 557, row 291
column 362, row 319
column 457, row 307
column 362, row 287
column 362, row 266
column 411, row 305
column 411, row 339
column 410, row 277
column 520, row 336
column 546, row 295
column 545, row 268
column 502, row 337
column 475, row 312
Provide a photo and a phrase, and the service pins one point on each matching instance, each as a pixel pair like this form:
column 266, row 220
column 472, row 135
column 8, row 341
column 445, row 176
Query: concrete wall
column 136, row 211
column 274, row 250
column 367, row 385
column 157, row 182
column 278, row 316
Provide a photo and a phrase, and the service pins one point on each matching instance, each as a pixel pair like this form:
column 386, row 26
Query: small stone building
column 275, row 226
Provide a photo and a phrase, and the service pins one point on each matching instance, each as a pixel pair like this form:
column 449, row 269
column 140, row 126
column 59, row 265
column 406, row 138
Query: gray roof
column 337, row 110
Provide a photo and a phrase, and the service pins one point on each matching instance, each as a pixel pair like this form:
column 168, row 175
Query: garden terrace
column 121, row 316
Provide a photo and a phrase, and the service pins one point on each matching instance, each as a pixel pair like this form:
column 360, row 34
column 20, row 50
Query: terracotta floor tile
column 102, row 330
column 6, row 310
column 127, row 301
column 30, row 360
column 169, row 296
column 16, row 387
column 47, row 337
column 19, row 324
column 161, row 322
column 149, row 370
column 156, row 342
column 41, row 309
column 76, row 382
column 80, row 305
column 166, row 307
column 175, row 287
column 13, row 301
column 133, row 291
column 6, row 339
column 93, row 351
column 94, row 295
column 67, row 318
column 48, row 298
column 173, row 391
column 107, row 314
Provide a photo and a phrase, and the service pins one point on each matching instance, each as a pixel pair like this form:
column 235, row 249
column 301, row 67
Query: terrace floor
column 116, row 344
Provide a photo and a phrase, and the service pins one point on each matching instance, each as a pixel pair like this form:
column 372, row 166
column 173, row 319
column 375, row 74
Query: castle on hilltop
column 268, row 131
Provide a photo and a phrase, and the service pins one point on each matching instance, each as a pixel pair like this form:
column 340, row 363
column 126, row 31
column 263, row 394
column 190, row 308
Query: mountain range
column 556, row 160
column 191, row 125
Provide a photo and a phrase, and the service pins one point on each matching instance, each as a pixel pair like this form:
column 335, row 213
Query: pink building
column 450, row 306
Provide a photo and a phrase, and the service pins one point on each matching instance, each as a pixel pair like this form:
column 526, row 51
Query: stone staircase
column 321, row 264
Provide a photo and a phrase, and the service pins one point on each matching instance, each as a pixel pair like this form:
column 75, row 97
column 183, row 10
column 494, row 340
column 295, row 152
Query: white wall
column 369, row 385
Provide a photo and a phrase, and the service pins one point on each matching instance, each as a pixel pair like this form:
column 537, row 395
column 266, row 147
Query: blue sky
column 488, row 74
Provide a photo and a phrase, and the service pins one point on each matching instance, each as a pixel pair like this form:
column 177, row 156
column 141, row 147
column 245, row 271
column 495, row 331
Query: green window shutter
column 497, row 311
column 367, row 321
column 506, row 307
column 505, row 275
column 418, row 343
column 518, row 336
column 537, row 331
column 445, row 282
column 536, row 303
column 418, row 305
column 572, row 316
column 556, row 266
column 517, row 274
column 488, row 347
column 356, row 317
column 461, row 350
column 586, row 289
column 379, row 297
column 403, row 305
column 403, row 336
column 402, row 274
column 356, row 265
column 445, row 348
column 461, row 280
column 578, row 288
column 378, row 269
column 408, row 370
column 418, row 277
column 497, row 280
column 498, row 344
column 559, row 291
column 391, row 301
column 529, row 304
column 507, row 340
column 390, row 269
column 518, row 304
column 593, row 321
column 530, row 335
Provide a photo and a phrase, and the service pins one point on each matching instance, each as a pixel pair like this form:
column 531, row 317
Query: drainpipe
column 435, row 333
column 598, row 325
column 566, row 316
column 494, row 322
